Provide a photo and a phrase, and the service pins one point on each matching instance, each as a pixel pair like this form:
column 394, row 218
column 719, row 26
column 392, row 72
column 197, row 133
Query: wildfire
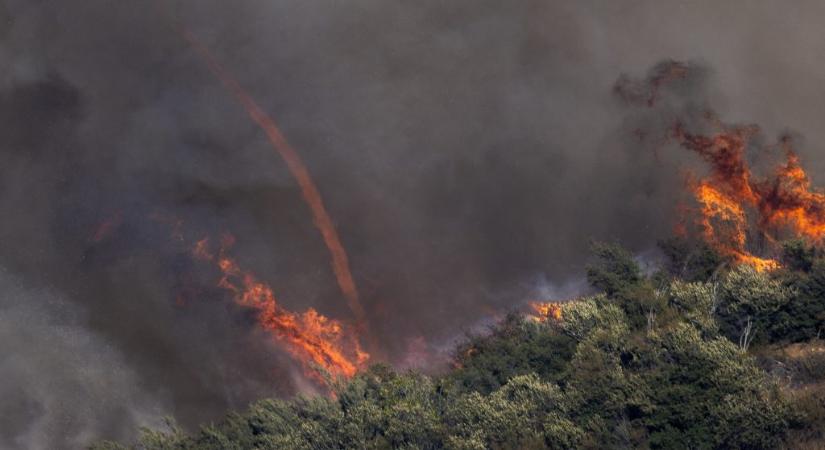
column 789, row 201
column 545, row 311
column 309, row 191
column 310, row 337
column 782, row 201
column 738, row 210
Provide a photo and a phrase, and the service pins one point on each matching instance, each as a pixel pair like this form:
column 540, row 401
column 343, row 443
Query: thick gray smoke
column 468, row 151
column 62, row 384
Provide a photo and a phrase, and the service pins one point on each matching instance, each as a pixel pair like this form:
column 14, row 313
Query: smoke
column 464, row 150
column 62, row 384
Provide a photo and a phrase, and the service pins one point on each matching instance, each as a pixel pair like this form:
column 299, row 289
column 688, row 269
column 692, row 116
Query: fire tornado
column 309, row 191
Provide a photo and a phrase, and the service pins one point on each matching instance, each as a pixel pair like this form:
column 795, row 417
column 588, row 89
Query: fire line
column 313, row 339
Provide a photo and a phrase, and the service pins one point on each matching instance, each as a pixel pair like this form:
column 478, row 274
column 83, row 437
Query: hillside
column 702, row 354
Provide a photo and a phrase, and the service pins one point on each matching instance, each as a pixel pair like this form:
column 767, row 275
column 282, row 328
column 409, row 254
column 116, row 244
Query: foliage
column 614, row 271
column 524, row 413
column 749, row 302
column 620, row 277
column 588, row 314
column 784, row 307
column 799, row 255
column 801, row 367
column 803, row 317
column 697, row 303
column 690, row 260
column 633, row 367
column 513, row 347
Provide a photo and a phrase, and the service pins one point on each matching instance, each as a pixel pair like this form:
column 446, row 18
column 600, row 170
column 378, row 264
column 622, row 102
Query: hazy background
column 467, row 150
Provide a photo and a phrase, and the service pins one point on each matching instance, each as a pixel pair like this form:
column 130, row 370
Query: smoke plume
column 463, row 149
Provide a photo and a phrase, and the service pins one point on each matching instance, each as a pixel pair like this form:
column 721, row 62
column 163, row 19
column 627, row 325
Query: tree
column 614, row 270
column 690, row 260
column 600, row 377
column 513, row 347
column 797, row 254
column 803, row 317
column 524, row 413
column 749, row 304
column 697, row 303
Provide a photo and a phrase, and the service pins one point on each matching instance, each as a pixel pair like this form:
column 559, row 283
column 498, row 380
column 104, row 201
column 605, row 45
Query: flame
column 309, row 191
column 310, row 337
column 734, row 205
column 546, row 311
column 724, row 226
column 789, row 201
column 730, row 195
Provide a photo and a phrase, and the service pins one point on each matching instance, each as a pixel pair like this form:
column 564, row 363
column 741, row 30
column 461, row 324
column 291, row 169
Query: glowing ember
column 310, row 337
column 546, row 311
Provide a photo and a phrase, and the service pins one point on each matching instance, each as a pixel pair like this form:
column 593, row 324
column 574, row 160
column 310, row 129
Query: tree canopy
column 659, row 362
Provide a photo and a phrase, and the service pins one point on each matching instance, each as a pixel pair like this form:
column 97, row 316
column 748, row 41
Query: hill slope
column 702, row 356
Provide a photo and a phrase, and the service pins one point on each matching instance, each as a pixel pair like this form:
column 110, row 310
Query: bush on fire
column 666, row 361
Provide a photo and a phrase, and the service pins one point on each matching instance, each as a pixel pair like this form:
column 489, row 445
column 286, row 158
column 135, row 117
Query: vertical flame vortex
column 309, row 191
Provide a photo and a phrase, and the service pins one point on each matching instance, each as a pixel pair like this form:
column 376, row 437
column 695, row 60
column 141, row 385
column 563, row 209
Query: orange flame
column 787, row 200
column 546, row 311
column 724, row 226
column 733, row 204
column 309, row 191
column 782, row 201
column 309, row 337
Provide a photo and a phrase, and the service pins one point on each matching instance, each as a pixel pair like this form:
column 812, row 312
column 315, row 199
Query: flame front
column 310, row 337
column 781, row 202
column 724, row 225
column 545, row 311
column 788, row 200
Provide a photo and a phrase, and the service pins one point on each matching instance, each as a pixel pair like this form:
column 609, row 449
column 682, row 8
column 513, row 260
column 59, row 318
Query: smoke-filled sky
column 467, row 150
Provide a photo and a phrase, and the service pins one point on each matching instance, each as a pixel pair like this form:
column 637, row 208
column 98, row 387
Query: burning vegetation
column 636, row 366
column 324, row 347
column 741, row 214
column 401, row 177
column 737, row 207
column 544, row 311
column 294, row 162
column 654, row 360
